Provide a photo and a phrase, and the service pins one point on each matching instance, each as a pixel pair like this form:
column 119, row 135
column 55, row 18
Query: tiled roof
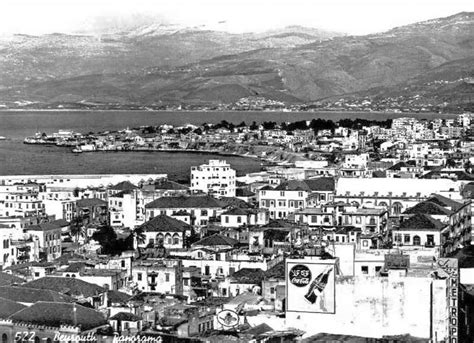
column 8, row 279
column 66, row 285
column 243, row 192
column 460, row 175
column 428, row 207
column 60, row 222
column 185, row 202
column 215, row 240
column 277, row 271
column 43, row 227
column 403, row 164
column 238, row 212
column 322, row 184
column 276, row 235
column 446, row 202
column 116, row 297
column 123, row 186
column 257, row 330
column 125, row 316
column 57, row 314
column 71, row 257
column 233, row 202
column 280, row 223
column 293, row 185
column 164, row 223
column 91, row 202
column 169, row 185
column 252, row 276
column 31, row 295
column 8, row 307
column 319, row 184
column 420, row 222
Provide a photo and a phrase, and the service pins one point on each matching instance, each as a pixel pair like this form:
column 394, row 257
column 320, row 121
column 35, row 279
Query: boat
column 77, row 150
column 2, row 138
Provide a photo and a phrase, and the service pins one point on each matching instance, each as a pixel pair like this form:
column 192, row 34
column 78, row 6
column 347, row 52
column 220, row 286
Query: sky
column 355, row 17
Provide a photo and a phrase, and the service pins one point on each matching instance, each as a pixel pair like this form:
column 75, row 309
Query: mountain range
column 430, row 62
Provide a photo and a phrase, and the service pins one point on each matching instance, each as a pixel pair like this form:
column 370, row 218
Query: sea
column 17, row 158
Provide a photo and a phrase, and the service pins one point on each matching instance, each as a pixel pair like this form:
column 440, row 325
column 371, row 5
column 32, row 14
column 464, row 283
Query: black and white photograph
column 213, row 171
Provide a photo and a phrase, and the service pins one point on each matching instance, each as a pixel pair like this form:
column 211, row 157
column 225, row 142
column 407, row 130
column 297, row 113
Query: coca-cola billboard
column 310, row 286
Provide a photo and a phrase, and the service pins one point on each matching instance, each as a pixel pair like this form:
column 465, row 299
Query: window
column 186, row 282
column 416, row 240
column 226, row 219
column 378, row 269
column 282, row 194
column 123, row 264
column 139, row 276
column 406, row 239
column 430, row 240
column 239, row 219
column 314, row 219
column 272, row 290
column 364, row 269
column 167, row 277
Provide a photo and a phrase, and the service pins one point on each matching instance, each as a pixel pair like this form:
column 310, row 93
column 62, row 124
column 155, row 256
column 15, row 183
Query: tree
column 77, row 227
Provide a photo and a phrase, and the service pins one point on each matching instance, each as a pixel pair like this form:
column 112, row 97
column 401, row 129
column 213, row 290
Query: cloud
column 357, row 17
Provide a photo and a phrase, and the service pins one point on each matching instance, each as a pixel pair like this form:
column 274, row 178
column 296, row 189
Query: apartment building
column 216, row 178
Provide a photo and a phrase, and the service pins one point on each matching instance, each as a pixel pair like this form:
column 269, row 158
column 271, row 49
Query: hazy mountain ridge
column 171, row 64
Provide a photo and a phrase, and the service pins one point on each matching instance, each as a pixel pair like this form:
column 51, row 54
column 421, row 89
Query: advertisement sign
column 450, row 266
column 310, row 286
column 228, row 318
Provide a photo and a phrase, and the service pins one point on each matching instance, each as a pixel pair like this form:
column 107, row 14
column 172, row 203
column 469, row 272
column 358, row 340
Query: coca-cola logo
column 300, row 275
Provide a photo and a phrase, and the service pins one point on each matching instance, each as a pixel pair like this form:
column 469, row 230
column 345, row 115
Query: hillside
column 159, row 64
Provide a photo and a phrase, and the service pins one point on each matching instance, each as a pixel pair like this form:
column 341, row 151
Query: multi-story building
column 216, row 178
column 49, row 235
column 201, row 208
column 237, row 217
column 293, row 195
column 436, row 222
column 164, row 230
column 164, row 276
column 21, row 200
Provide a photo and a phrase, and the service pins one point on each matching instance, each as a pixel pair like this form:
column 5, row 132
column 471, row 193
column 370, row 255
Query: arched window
column 175, row 239
column 416, row 240
column 67, row 275
column 4, row 338
column 382, row 204
column 397, row 208
column 37, row 339
column 355, row 203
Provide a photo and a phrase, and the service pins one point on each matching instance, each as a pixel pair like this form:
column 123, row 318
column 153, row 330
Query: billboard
column 310, row 286
column 450, row 267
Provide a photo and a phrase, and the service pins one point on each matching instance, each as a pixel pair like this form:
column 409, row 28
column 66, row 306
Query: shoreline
column 233, row 111
column 189, row 151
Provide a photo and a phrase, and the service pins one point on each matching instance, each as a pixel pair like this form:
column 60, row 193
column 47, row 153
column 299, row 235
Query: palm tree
column 139, row 234
column 77, row 228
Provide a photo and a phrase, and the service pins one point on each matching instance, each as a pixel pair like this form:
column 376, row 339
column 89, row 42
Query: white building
column 216, row 178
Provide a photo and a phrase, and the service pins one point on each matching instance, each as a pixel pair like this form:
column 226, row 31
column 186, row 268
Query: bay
column 17, row 158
